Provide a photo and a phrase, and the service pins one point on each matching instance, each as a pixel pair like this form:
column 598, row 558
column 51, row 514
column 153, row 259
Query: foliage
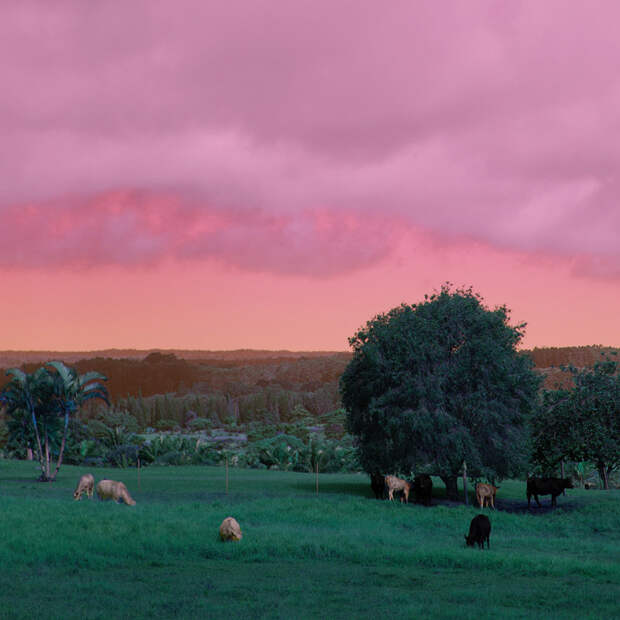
column 166, row 425
column 176, row 450
column 200, row 424
column 41, row 404
column 69, row 391
column 438, row 383
column 581, row 424
column 290, row 453
column 29, row 399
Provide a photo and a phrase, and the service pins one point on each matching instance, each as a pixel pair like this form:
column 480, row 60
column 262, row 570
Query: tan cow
column 85, row 485
column 397, row 484
column 230, row 529
column 485, row 494
column 111, row 489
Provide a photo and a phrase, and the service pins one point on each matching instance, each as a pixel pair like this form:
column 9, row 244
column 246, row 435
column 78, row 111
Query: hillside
column 244, row 383
column 9, row 359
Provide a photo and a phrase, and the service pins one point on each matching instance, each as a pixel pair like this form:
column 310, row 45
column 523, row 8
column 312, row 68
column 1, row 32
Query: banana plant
column 70, row 391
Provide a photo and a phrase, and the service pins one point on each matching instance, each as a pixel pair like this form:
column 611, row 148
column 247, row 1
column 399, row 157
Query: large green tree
column 583, row 423
column 434, row 384
column 40, row 404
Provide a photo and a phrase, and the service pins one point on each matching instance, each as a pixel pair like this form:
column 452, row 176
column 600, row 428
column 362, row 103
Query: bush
column 123, row 456
column 166, row 425
column 200, row 424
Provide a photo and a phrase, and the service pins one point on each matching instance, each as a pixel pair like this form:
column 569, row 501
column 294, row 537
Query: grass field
column 338, row 554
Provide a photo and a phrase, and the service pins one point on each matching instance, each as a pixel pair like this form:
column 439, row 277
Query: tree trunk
column 602, row 472
column 451, row 487
column 465, row 483
column 62, row 448
column 39, row 448
column 29, row 454
column 47, row 456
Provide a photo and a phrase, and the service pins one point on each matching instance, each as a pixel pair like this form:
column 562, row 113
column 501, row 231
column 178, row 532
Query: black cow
column 546, row 486
column 423, row 489
column 479, row 531
column 377, row 483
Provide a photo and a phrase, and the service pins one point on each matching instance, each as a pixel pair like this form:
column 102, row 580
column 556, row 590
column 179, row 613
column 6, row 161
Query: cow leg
column 536, row 498
column 391, row 494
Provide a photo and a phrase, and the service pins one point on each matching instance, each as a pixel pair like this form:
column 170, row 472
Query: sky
column 273, row 174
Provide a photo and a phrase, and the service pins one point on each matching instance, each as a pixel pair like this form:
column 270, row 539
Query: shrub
column 200, row 424
column 166, row 425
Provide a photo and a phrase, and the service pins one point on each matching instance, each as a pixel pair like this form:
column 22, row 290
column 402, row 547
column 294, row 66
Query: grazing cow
column 485, row 494
column 423, row 489
column 86, row 485
column 547, row 486
column 377, row 483
column 479, row 531
column 111, row 489
column 397, row 484
column 230, row 529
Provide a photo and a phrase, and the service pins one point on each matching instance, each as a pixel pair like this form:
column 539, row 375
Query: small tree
column 553, row 436
column 582, row 424
column 437, row 383
column 69, row 392
column 44, row 400
column 26, row 397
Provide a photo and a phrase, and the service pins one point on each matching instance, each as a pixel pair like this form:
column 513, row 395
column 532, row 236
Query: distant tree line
column 428, row 388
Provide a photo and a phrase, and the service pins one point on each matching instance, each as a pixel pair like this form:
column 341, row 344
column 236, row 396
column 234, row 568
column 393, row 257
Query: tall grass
column 338, row 554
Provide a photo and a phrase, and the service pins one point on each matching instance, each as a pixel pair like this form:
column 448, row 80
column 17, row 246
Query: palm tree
column 70, row 391
column 45, row 398
column 27, row 395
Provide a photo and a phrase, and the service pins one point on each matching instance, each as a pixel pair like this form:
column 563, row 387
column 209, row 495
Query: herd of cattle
column 422, row 487
column 480, row 526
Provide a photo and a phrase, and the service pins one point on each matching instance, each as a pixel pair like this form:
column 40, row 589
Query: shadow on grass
column 348, row 488
column 516, row 506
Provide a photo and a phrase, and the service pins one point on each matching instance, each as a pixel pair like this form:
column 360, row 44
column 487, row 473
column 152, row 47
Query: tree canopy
column 583, row 423
column 39, row 406
column 434, row 384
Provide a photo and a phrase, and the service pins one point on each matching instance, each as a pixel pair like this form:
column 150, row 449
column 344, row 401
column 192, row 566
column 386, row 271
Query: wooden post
column 562, row 474
column 316, row 476
column 465, row 483
column 226, row 474
column 138, row 474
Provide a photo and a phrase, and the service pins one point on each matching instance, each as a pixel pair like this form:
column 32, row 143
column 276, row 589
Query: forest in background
column 164, row 388
column 265, row 409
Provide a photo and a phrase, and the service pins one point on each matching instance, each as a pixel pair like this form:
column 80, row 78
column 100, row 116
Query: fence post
column 465, row 483
column 317, row 476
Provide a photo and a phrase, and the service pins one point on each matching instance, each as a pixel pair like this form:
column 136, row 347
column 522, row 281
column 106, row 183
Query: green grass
column 340, row 554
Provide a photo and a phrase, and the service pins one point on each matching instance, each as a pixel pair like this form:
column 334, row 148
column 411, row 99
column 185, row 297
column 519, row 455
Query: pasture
column 338, row 554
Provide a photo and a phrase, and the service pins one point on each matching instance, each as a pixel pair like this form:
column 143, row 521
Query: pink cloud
column 133, row 228
column 300, row 137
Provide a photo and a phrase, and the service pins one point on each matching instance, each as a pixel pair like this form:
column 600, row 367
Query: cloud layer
column 301, row 137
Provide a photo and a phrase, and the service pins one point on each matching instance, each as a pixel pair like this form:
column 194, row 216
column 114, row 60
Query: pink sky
column 272, row 174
